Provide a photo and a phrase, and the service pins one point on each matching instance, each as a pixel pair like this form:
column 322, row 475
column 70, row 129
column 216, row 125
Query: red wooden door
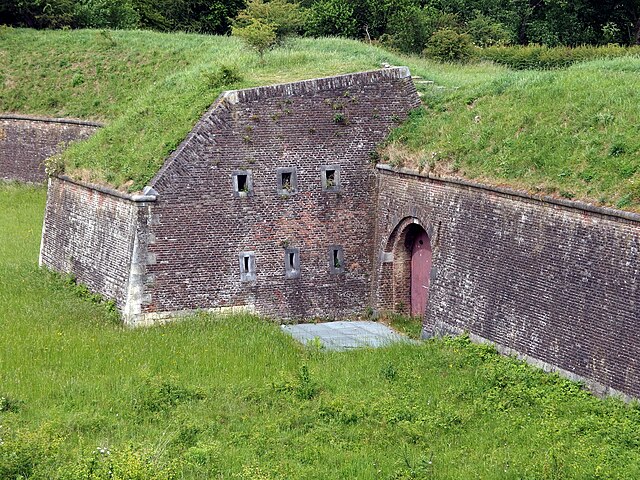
column 420, row 273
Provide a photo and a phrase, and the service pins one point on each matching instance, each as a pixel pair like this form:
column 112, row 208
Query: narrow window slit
column 242, row 183
column 286, row 181
column 336, row 259
column 246, row 264
column 292, row 262
column 331, row 178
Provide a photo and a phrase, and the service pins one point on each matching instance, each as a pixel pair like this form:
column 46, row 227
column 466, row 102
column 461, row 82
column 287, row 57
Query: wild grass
column 215, row 397
column 570, row 133
column 151, row 87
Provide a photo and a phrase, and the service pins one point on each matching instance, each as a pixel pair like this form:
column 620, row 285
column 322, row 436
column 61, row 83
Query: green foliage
column 105, row 14
column 9, row 404
column 583, row 148
column 123, row 464
column 258, row 35
column 332, row 17
column 486, row 32
column 447, row 45
column 540, row 57
column 225, row 76
column 285, row 18
column 23, row 453
column 157, row 395
column 409, row 29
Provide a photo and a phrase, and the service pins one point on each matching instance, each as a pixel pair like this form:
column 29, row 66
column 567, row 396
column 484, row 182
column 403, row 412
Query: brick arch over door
column 404, row 244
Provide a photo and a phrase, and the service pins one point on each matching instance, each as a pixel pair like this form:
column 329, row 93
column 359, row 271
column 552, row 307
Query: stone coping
column 149, row 195
column 572, row 204
column 30, row 118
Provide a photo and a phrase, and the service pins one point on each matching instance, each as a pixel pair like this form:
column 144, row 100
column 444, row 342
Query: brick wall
column 90, row 233
column 200, row 225
column 25, row 142
column 557, row 284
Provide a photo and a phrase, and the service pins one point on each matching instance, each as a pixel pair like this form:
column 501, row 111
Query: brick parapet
column 26, row 142
column 557, row 282
column 91, row 235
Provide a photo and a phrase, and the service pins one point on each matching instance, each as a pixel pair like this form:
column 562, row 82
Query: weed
column 388, row 372
column 10, row 404
column 158, row 395
column 224, row 76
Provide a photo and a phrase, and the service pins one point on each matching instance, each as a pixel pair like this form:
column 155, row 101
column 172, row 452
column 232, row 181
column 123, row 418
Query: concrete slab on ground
column 345, row 335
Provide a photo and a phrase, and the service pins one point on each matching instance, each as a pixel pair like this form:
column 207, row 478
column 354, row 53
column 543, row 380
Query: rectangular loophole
column 330, row 176
column 242, row 183
column 287, row 181
column 247, row 262
column 292, row 262
column 336, row 259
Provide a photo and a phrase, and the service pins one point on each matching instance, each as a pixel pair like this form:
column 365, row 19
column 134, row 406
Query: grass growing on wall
column 570, row 133
column 235, row 398
column 151, row 88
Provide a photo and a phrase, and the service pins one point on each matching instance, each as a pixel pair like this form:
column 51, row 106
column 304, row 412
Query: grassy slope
column 571, row 133
column 152, row 87
column 227, row 398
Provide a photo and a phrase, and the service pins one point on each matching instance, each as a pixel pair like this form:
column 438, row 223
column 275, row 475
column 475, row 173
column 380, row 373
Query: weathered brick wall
column 25, row 142
column 90, row 233
column 559, row 285
column 199, row 227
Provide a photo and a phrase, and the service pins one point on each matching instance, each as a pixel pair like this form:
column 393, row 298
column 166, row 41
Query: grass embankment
column 236, row 398
column 570, row 133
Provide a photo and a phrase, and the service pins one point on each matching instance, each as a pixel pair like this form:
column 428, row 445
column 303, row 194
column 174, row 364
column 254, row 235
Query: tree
column 285, row 18
column 258, row 35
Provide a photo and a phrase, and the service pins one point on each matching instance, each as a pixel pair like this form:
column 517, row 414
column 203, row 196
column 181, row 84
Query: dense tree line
column 404, row 24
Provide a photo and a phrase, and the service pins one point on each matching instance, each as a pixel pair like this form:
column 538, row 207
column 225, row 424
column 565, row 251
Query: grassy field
column 569, row 133
column 235, row 398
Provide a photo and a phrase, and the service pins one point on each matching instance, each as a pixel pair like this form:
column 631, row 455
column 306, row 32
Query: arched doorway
column 405, row 273
column 420, row 272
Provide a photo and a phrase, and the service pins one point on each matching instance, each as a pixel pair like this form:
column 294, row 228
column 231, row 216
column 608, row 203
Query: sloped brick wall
column 199, row 226
column 558, row 285
column 90, row 233
column 25, row 142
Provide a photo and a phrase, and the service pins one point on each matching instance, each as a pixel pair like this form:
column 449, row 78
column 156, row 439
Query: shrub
column 285, row 18
column 542, row 57
column 409, row 29
column 258, row 35
column 331, row 17
column 225, row 76
column 486, row 33
column 106, row 14
column 447, row 45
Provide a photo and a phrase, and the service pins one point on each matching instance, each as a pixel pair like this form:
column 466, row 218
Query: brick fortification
column 93, row 233
column 201, row 223
column 267, row 205
column 26, row 142
column 556, row 284
column 272, row 204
